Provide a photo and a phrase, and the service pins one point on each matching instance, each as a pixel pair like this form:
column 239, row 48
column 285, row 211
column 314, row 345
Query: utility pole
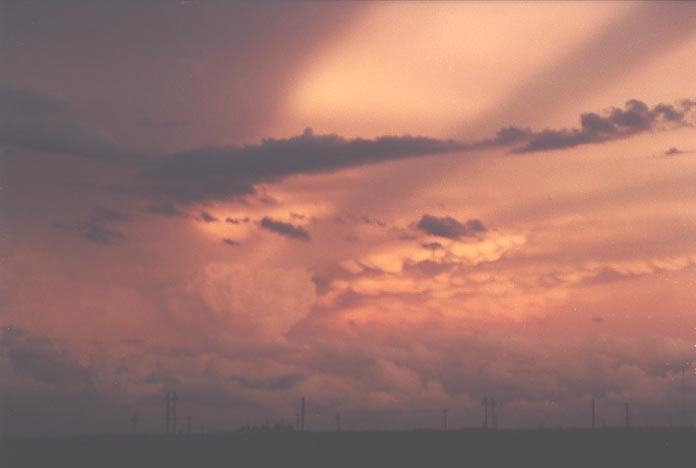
column 489, row 404
column 302, row 414
column 170, row 400
column 628, row 415
column 484, row 403
column 134, row 422
column 685, row 417
column 174, row 412
column 444, row 419
column 167, row 412
column 594, row 419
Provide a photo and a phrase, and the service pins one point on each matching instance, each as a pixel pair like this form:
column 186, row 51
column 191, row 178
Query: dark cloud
column 209, row 173
column 284, row 229
column 429, row 267
column 101, row 235
column 229, row 171
column 372, row 221
column 166, row 209
column 43, row 123
column 449, row 227
column 108, row 214
column 207, row 217
column 636, row 117
column 41, row 359
column 237, row 220
column 94, row 229
column 231, row 242
column 36, row 122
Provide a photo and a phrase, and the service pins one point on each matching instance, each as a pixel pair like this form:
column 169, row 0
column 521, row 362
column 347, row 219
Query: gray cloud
column 636, row 117
column 208, row 218
column 284, row 229
column 42, row 123
column 101, row 235
column 237, row 220
column 108, row 214
column 449, row 227
column 223, row 172
column 95, row 231
column 40, row 359
column 33, row 121
column 210, row 173
column 166, row 209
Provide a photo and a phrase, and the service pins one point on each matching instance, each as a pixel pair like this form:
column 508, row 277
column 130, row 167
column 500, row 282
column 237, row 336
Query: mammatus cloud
column 284, row 229
column 448, row 227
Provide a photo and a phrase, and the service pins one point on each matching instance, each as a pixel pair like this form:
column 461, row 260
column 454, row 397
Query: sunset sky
column 388, row 208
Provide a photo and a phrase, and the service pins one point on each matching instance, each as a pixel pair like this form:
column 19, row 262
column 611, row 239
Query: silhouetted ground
column 663, row 448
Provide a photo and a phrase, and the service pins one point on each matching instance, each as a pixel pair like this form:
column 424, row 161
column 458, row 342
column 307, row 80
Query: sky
column 387, row 208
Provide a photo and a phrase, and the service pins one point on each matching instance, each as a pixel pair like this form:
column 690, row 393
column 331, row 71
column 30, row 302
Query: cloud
column 166, row 209
column 36, row 122
column 108, row 214
column 41, row 359
column 101, row 235
column 284, row 229
column 208, row 218
column 231, row 171
column 636, row 117
column 237, row 220
column 95, row 231
column 223, row 172
column 230, row 242
column 449, row 227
